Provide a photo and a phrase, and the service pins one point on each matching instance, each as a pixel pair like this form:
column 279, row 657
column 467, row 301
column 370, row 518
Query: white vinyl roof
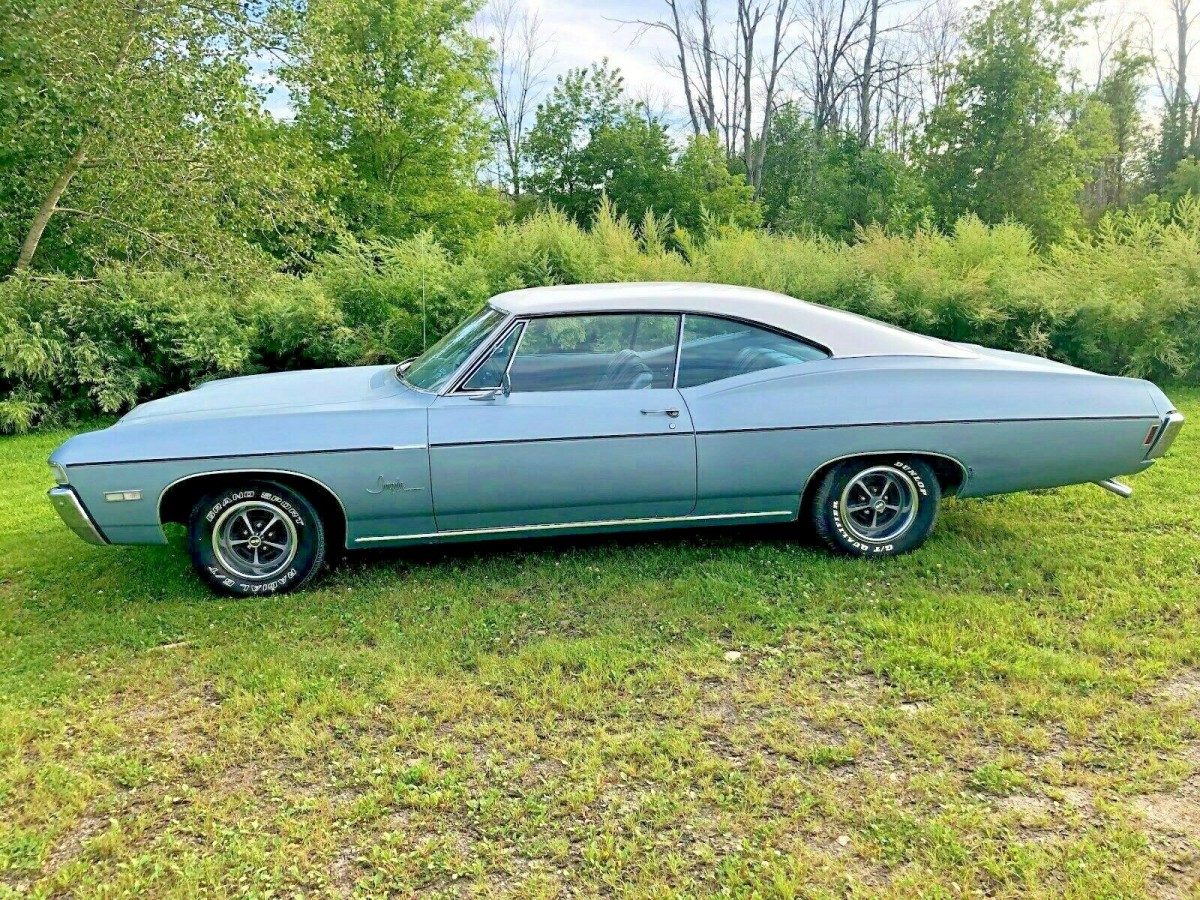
column 842, row 333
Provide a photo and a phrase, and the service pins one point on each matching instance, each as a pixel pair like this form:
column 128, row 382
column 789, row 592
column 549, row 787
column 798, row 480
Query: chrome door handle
column 673, row 413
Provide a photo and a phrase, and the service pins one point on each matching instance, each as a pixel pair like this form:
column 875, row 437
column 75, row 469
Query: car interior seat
column 754, row 359
column 627, row 371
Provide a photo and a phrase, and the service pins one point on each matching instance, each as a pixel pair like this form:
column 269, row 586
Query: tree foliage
column 830, row 183
column 584, row 103
column 999, row 145
column 131, row 131
column 388, row 92
column 590, row 142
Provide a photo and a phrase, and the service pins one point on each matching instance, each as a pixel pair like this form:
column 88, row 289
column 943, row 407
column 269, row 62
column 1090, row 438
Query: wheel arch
column 951, row 473
column 177, row 498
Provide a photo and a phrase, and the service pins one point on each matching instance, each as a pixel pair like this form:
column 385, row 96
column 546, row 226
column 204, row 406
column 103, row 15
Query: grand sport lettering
column 602, row 408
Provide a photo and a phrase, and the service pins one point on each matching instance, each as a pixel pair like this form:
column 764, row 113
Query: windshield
column 433, row 368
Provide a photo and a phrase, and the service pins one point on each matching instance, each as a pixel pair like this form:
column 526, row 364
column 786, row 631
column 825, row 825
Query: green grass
column 1011, row 711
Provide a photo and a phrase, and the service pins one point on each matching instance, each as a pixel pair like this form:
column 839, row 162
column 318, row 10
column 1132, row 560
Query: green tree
column 130, row 131
column 1183, row 182
column 630, row 161
column 999, row 144
column 389, row 92
column 1113, row 115
column 590, row 143
column 583, row 103
column 706, row 190
column 830, row 183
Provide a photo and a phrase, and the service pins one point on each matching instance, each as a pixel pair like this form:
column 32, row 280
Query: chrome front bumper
column 74, row 515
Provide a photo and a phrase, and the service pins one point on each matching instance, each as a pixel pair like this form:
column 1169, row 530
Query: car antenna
column 424, row 329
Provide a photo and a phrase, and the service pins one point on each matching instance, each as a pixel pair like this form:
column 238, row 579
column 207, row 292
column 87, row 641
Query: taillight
column 1166, row 434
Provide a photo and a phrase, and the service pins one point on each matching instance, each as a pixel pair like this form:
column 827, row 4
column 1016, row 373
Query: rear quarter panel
column 760, row 437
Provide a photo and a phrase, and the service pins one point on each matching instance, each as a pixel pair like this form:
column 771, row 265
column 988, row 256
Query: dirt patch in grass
column 71, row 844
column 1029, row 809
column 1173, row 814
column 1183, row 688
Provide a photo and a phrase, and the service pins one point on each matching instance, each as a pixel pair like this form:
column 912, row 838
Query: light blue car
column 600, row 408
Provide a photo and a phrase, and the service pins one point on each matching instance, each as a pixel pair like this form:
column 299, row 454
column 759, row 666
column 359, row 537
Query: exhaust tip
column 1121, row 490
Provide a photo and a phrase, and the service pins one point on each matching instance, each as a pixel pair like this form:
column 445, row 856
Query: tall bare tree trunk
column 779, row 59
column 706, row 51
column 1182, row 20
column 519, row 62
column 1188, row 109
column 677, row 32
column 864, row 100
column 749, row 16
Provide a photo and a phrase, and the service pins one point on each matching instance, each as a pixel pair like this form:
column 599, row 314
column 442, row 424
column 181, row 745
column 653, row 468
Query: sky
column 581, row 32
column 587, row 31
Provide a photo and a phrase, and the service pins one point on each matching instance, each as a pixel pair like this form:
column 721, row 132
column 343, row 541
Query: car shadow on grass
column 551, row 546
column 165, row 573
column 783, row 536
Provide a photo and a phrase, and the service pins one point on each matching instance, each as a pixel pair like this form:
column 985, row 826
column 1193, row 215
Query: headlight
column 60, row 474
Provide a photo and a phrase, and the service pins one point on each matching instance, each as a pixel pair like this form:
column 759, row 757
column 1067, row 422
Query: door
column 591, row 431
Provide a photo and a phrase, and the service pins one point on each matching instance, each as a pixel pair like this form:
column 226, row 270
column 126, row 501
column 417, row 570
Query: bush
column 1124, row 300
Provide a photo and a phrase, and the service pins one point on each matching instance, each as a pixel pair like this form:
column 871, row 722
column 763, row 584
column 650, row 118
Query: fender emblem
column 382, row 485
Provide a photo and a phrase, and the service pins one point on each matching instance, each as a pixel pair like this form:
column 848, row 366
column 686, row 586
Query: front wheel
column 258, row 537
column 876, row 508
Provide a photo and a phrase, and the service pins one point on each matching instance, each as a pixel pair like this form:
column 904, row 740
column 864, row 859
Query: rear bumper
column 66, row 502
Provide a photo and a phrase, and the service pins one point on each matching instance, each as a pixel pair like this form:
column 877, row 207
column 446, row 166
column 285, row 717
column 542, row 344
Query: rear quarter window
column 716, row 348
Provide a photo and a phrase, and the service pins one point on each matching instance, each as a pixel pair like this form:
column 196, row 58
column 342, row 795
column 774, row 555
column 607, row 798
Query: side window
column 491, row 370
column 607, row 352
column 716, row 348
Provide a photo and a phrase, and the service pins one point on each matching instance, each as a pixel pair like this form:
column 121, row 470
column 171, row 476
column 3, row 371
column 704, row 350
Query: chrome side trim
column 678, row 351
column 259, row 471
column 66, row 502
column 265, row 453
column 458, row 385
column 966, row 472
column 559, row 526
column 840, row 425
column 1172, row 424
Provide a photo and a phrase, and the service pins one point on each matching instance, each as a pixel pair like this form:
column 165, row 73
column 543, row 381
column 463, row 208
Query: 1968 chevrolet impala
column 604, row 407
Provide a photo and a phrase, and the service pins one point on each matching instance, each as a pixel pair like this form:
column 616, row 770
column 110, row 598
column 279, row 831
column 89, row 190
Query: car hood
column 363, row 408
column 293, row 391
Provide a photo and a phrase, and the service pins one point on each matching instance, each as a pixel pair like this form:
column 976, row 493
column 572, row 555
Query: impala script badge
column 382, row 484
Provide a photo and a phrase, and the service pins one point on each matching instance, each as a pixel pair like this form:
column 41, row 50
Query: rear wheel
column 258, row 537
column 875, row 508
